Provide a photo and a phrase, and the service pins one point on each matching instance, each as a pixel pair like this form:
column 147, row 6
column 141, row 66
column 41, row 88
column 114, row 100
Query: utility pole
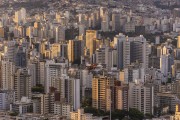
column 110, row 113
column 110, row 104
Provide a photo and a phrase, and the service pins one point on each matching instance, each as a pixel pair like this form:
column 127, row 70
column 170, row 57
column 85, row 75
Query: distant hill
column 28, row 5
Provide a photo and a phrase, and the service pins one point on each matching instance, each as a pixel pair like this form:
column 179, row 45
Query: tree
column 135, row 114
column 169, row 80
column 87, row 102
column 119, row 114
column 90, row 110
column 38, row 88
column 149, row 116
column 13, row 114
column 94, row 111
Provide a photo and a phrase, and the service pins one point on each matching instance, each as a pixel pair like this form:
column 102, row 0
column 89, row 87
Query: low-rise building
column 6, row 98
column 63, row 109
column 23, row 106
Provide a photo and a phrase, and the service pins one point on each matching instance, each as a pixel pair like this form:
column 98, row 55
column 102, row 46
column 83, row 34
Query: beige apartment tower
column 101, row 92
column 91, row 36
column 178, row 42
column 22, row 84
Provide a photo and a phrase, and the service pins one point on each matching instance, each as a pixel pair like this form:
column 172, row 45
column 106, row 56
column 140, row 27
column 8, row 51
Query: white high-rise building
column 69, row 89
column 23, row 12
column 93, row 19
column 106, row 55
column 102, row 55
column 126, row 53
column 7, row 70
column 20, row 16
column 166, row 62
column 42, row 72
column 86, row 80
column 9, row 51
column 76, row 95
column 140, row 51
column 32, row 72
column 118, row 41
column 41, row 103
column 82, row 29
column 22, row 84
column 104, row 26
column 102, row 11
column 134, row 73
column 141, row 97
column 105, row 22
column 53, row 70
column 135, row 49
column 17, row 16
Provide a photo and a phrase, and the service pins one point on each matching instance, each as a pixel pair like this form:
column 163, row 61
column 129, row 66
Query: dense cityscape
column 89, row 59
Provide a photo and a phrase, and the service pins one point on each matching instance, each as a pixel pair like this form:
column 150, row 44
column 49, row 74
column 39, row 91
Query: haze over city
column 89, row 59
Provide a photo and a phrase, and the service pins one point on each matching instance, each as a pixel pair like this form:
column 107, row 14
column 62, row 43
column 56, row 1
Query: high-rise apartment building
column 60, row 34
column 34, row 71
column 20, row 57
column 91, row 36
column 166, row 61
column 7, row 70
column 101, row 92
column 63, row 109
column 141, row 97
column 134, row 72
column 132, row 49
column 126, row 53
column 64, row 50
column 69, row 89
column 119, row 40
column 105, row 22
column 53, row 70
column 86, row 83
column 42, row 72
column 109, row 94
column 102, row 55
column 22, row 83
column 17, row 17
column 120, row 96
column 55, row 50
column 167, row 99
column 178, row 42
column 115, row 22
column 75, row 50
column 44, row 103
column 10, row 50
column 139, row 51
column 20, row 16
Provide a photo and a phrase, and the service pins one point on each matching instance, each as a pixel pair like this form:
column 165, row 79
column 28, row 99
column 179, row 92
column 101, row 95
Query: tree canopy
column 133, row 114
